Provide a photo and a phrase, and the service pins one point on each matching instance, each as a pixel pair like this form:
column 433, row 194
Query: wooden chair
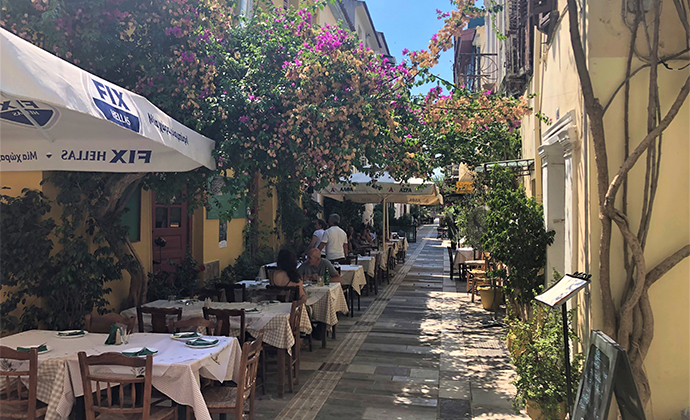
column 224, row 399
column 159, row 323
column 215, row 294
column 294, row 359
column 102, row 323
column 281, row 293
column 231, row 289
column 193, row 324
column 102, row 404
column 452, row 262
column 223, row 319
column 15, row 402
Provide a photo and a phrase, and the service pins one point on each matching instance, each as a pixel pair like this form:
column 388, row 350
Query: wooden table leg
column 281, row 372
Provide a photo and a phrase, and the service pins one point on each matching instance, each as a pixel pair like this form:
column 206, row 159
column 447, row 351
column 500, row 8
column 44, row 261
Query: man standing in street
column 335, row 241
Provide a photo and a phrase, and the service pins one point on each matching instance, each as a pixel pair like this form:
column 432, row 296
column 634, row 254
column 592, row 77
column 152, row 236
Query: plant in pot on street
column 536, row 351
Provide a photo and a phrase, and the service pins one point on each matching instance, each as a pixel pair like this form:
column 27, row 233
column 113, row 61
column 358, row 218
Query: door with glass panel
column 170, row 233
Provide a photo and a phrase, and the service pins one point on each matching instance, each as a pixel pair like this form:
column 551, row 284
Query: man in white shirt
column 335, row 241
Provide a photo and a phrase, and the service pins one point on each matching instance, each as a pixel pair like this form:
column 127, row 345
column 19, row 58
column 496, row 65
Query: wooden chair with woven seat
column 15, row 401
column 193, row 325
column 281, row 293
column 224, row 399
column 294, row 357
column 231, row 289
column 223, row 317
column 159, row 323
column 101, row 405
column 102, row 323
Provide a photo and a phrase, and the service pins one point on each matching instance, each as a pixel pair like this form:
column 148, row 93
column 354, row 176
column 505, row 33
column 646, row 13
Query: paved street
column 415, row 351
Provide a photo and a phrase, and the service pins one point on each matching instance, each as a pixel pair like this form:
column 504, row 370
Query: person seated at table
column 316, row 267
column 355, row 242
column 367, row 237
column 287, row 274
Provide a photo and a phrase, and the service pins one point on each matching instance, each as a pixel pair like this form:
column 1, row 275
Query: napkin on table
column 202, row 342
column 187, row 335
column 112, row 337
column 41, row 348
column 71, row 333
column 142, row 352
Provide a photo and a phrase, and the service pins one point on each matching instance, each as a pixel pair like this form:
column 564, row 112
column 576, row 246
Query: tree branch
column 644, row 144
column 666, row 265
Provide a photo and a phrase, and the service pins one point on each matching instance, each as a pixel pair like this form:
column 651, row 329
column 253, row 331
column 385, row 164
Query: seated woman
column 287, row 274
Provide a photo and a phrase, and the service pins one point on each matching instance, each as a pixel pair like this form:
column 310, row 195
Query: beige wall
column 556, row 82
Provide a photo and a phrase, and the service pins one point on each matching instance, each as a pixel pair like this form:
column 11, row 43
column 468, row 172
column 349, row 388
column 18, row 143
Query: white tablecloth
column 368, row 264
column 273, row 319
column 462, row 255
column 176, row 367
column 353, row 275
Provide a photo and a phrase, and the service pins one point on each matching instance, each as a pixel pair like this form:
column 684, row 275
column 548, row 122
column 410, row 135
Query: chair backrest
column 249, row 366
column 282, row 293
column 223, row 319
column 296, row 317
column 97, row 403
column 102, row 323
column 193, row 324
column 214, row 294
column 231, row 288
column 377, row 266
column 13, row 398
column 159, row 323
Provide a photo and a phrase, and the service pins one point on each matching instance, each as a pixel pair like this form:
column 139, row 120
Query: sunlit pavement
column 418, row 350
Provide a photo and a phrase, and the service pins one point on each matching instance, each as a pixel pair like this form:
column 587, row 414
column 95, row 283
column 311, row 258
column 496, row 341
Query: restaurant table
column 353, row 276
column 368, row 264
column 463, row 255
column 273, row 319
column 176, row 367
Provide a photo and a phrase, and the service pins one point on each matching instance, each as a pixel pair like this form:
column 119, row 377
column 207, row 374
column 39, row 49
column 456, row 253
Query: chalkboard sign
column 607, row 372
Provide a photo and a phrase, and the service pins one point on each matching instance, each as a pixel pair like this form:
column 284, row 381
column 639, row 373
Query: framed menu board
column 607, row 371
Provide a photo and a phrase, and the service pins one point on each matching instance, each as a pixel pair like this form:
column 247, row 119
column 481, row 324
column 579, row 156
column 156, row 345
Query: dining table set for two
column 178, row 360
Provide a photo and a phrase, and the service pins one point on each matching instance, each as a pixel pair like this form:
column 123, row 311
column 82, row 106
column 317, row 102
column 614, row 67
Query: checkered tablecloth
column 273, row 319
column 176, row 367
column 353, row 275
column 326, row 302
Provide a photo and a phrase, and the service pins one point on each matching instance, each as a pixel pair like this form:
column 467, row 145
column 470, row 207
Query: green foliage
column 180, row 283
column 57, row 290
column 350, row 212
column 536, row 348
column 296, row 214
column 248, row 264
column 516, row 236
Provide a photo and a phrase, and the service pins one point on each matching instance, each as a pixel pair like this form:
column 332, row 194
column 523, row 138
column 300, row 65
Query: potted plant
column 492, row 294
column 536, row 351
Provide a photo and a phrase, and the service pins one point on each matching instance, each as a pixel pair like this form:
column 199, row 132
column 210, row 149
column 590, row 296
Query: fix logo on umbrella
column 15, row 111
column 115, row 104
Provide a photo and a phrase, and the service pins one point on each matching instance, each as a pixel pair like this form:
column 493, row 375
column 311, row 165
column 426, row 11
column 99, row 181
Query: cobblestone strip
column 313, row 395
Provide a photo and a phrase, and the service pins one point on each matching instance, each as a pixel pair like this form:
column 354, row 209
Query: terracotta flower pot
column 533, row 410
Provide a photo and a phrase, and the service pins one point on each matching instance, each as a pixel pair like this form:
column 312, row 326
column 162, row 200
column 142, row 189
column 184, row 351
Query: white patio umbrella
column 362, row 188
column 56, row 117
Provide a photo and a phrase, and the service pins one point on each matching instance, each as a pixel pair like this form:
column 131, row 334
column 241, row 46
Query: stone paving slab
column 418, row 350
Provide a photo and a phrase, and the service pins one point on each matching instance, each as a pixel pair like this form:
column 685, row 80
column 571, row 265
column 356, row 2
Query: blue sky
column 410, row 24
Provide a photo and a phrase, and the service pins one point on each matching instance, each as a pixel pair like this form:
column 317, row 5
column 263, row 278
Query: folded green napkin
column 273, row 301
column 187, row 335
column 112, row 336
column 71, row 333
column 252, row 310
column 202, row 342
column 142, row 352
column 40, row 349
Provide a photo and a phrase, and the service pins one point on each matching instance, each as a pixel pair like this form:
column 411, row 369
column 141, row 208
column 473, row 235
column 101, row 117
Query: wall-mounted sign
column 464, row 187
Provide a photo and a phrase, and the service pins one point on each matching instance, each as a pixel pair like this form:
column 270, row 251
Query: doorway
column 170, row 234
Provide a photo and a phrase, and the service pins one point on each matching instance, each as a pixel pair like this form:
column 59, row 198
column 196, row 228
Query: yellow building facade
column 565, row 175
